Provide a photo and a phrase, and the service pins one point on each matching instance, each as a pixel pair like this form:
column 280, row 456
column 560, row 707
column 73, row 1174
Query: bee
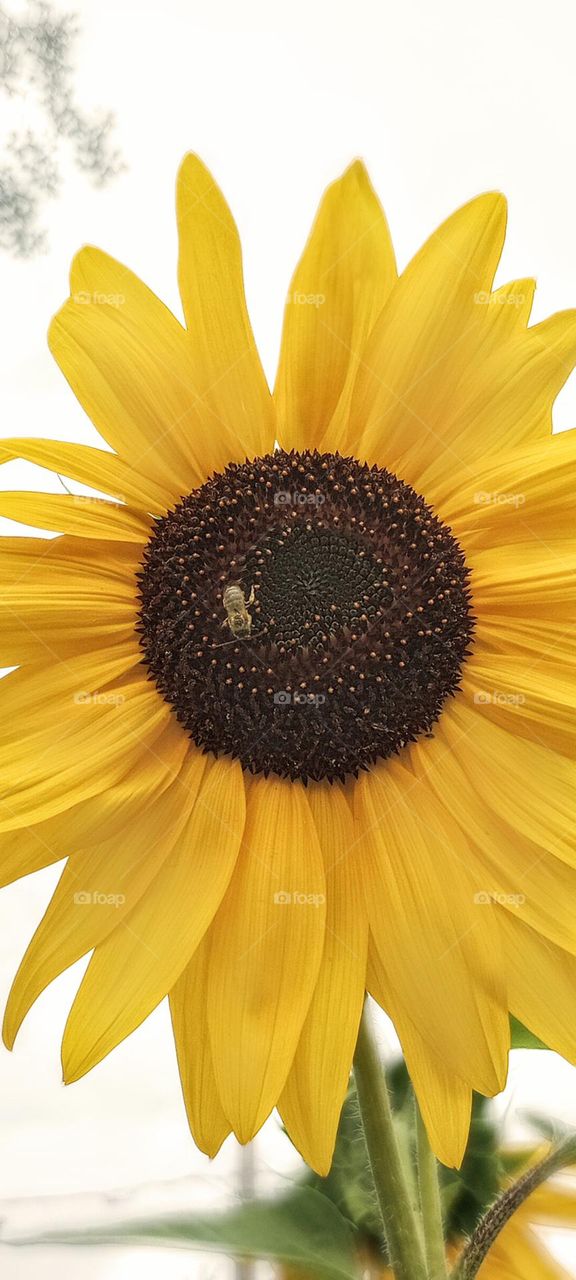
column 235, row 604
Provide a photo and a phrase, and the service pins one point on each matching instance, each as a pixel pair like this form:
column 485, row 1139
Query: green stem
column 430, row 1203
column 488, row 1230
column 399, row 1221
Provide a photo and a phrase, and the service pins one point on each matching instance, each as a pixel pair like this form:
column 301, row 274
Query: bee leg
column 251, row 597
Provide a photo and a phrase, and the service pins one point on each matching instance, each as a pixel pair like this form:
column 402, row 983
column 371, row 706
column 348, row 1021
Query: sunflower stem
column 399, row 1221
column 430, row 1203
column 489, row 1228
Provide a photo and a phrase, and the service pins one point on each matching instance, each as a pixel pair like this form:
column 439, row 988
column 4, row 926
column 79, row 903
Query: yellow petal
column 189, row 1012
column 39, row 698
column 537, row 701
column 499, row 765
column 531, row 638
column 130, row 366
column 336, row 293
column 553, row 1204
column 440, row 952
column 28, row 848
column 267, row 943
column 506, row 399
column 93, row 467
column 316, row 1087
column 506, row 865
column 445, row 1100
column 135, row 967
column 100, row 887
column 542, row 985
column 519, row 1254
column 93, row 748
column 426, row 334
column 511, row 494
column 75, row 514
column 510, row 307
column 233, row 389
column 526, row 575
column 64, row 595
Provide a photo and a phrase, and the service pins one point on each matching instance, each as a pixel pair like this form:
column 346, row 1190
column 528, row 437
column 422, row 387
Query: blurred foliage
column 36, row 68
column 330, row 1228
column 522, row 1038
column 323, row 1226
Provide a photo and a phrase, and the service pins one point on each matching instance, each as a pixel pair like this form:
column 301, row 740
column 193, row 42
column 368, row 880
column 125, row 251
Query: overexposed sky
column 442, row 100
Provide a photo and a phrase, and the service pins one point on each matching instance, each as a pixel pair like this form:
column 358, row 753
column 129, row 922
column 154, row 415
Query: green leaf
column 522, row 1038
column 303, row 1230
column 349, row 1184
column 549, row 1127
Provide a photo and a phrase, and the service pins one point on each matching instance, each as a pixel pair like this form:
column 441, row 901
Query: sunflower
column 297, row 704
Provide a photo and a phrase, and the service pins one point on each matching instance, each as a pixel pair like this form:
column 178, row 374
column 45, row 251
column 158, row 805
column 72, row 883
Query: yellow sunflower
column 301, row 718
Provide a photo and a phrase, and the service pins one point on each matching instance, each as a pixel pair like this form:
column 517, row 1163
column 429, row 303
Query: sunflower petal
column 75, row 514
column 231, row 381
column 506, row 400
column 423, row 340
column 189, row 1012
column 38, row 697
column 129, row 364
column 139, row 962
column 444, row 1099
column 94, row 467
column 267, row 943
column 316, row 1087
column 507, row 867
column 537, row 701
column 45, row 775
column 336, row 293
column 99, row 887
column 508, row 495
column 498, row 763
column 541, row 984
column 27, row 849
column 64, row 595
column 451, row 984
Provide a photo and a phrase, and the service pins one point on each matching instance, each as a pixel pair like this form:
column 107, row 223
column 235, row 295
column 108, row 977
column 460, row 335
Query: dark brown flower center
column 305, row 613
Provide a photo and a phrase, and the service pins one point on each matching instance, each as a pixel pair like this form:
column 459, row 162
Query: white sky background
column 443, row 100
